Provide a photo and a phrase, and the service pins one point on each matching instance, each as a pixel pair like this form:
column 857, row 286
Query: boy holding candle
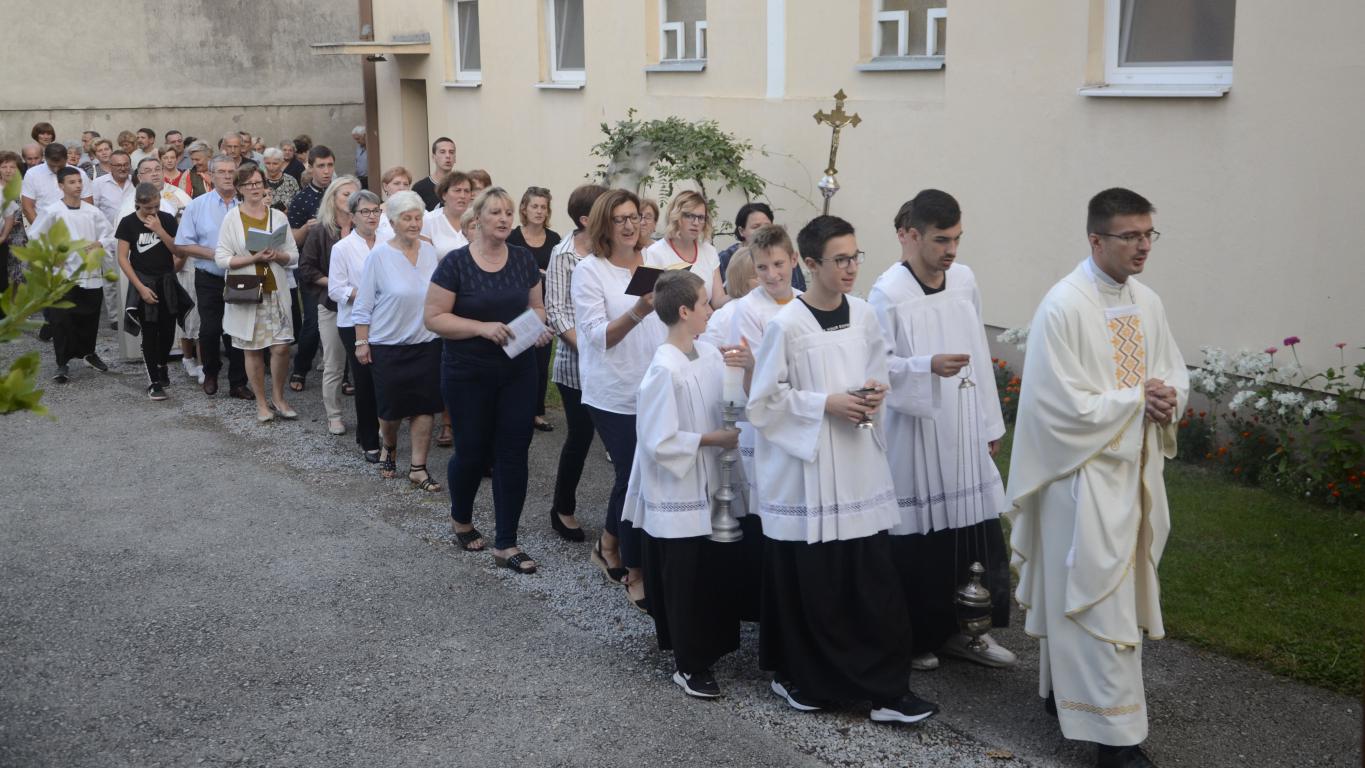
column 690, row 579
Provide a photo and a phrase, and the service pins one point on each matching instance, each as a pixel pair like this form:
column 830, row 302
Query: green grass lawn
column 1263, row 577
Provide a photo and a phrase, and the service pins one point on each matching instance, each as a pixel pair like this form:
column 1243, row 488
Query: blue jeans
column 492, row 407
column 617, row 431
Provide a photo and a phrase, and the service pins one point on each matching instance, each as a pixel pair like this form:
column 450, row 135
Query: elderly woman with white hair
column 315, row 257
column 390, row 337
column 201, row 180
column 344, row 271
column 282, row 186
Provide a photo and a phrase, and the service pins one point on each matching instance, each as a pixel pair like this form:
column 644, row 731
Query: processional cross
column 836, row 119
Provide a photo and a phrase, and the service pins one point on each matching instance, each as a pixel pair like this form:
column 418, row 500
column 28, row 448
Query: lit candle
column 733, row 389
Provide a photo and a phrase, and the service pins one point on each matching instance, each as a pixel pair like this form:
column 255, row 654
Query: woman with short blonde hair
column 688, row 239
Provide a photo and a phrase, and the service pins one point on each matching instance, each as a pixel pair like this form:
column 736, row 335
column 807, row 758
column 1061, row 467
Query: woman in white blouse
column 442, row 226
column 343, row 282
column 256, row 327
column 689, row 241
column 390, row 337
column 617, row 336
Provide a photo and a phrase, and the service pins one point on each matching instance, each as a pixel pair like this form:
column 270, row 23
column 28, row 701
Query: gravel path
column 269, row 601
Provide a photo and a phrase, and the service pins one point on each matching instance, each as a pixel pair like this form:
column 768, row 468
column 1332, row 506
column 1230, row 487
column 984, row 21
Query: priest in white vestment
column 1102, row 382
column 833, row 623
column 943, row 428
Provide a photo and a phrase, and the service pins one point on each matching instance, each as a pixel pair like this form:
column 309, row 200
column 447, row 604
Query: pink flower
column 1291, row 341
column 1271, row 350
column 1340, row 345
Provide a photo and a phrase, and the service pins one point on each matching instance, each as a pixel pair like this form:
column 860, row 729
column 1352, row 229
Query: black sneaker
column 93, row 360
column 45, row 332
column 163, row 375
column 155, row 392
column 701, row 685
column 63, row 375
column 910, row 709
column 794, row 697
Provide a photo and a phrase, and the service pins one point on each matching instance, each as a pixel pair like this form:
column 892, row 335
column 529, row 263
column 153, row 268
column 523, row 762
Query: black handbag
column 243, row 289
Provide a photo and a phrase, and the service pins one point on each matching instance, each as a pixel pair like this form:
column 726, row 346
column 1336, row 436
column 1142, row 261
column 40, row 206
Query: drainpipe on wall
column 374, row 166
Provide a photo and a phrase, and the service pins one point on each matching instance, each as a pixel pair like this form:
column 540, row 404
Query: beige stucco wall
column 1258, row 191
column 201, row 66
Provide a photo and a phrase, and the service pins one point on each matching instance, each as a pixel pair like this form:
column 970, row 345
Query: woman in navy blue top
column 475, row 292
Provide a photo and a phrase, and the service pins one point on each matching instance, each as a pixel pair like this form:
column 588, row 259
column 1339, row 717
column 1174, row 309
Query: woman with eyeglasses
column 617, row 336
column 649, row 222
column 689, row 240
column 256, row 327
column 315, row 258
column 344, row 270
column 535, row 235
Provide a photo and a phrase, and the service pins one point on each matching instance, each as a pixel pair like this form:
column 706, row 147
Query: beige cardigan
column 240, row 319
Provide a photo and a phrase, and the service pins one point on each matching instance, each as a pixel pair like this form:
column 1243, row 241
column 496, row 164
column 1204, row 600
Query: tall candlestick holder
column 724, row 526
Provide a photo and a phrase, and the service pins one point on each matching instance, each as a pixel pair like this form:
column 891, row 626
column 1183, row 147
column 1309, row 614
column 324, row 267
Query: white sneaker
column 192, row 368
column 924, row 662
column 994, row 655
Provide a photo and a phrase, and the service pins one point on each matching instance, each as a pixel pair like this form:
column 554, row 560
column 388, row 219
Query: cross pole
column 836, row 119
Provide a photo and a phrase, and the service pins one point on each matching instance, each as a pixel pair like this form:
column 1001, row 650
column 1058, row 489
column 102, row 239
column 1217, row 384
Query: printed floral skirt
column 273, row 324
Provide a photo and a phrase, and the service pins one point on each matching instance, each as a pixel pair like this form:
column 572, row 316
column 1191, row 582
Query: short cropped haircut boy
column 676, row 288
column 818, row 231
column 1115, row 201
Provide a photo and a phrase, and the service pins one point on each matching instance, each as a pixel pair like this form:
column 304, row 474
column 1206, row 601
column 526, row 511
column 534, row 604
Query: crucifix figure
column 836, row 119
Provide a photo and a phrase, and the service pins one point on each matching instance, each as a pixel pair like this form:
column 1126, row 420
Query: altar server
column 774, row 264
column 691, row 581
column 943, row 428
column 1102, row 380
column 833, row 625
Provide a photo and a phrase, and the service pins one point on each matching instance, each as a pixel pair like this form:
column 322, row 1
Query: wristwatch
column 362, row 342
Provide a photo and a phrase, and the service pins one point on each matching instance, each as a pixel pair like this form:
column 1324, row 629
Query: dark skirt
column 834, row 621
column 691, row 583
column 933, row 566
column 407, row 379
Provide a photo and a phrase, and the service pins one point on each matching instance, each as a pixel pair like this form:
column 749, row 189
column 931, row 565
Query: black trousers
column 491, row 417
column 305, row 315
column 543, row 355
column 208, row 294
column 933, row 565
column 75, row 328
column 574, row 453
column 691, row 583
column 366, row 410
column 158, row 337
column 617, row 431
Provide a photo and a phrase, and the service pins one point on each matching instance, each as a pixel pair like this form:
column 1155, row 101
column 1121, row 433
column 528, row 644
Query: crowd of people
column 865, row 491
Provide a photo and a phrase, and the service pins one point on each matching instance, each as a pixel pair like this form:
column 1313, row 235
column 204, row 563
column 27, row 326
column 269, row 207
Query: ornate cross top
column 836, row 119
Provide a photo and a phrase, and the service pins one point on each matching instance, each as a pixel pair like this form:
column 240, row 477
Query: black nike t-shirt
column 146, row 252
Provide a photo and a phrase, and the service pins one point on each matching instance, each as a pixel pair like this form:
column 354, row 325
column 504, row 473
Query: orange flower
column 1222, row 450
column 1202, row 414
column 1336, row 494
column 1246, row 434
column 1001, row 362
column 1184, row 423
column 1006, row 398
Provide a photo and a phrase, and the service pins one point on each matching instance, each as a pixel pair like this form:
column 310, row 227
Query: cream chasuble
column 1089, row 515
column 673, row 478
column 936, row 491
column 819, row 478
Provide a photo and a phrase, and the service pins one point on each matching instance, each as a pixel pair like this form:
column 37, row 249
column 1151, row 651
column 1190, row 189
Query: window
column 565, row 31
column 908, row 34
column 1169, row 42
column 464, row 35
column 910, row 28
column 682, row 30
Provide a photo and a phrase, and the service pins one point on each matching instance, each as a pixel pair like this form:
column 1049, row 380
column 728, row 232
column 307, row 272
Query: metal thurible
column 724, row 526
column 973, row 603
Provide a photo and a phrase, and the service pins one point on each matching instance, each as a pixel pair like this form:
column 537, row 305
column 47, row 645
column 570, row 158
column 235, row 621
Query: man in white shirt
column 146, row 145
column 40, row 188
column 75, row 328
column 111, row 191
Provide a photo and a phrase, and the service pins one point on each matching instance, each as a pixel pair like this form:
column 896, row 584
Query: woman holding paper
column 617, row 335
column 404, row 357
column 256, row 326
column 485, row 302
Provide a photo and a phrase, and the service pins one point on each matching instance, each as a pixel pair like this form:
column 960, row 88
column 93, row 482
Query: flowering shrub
column 1007, row 387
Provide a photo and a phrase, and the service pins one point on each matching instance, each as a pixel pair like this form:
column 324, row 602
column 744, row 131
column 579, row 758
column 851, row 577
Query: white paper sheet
column 526, row 329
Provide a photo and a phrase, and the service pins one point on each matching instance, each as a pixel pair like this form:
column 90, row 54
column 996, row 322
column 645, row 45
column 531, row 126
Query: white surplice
column 748, row 318
column 1089, row 513
column 820, row 479
column 939, row 484
column 673, row 478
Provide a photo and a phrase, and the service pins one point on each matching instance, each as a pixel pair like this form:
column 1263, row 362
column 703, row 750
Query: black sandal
column 426, row 483
column 372, row 457
column 388, row 462
column 617, row 575
column 515, row 562
column 466, row 538
column 297, row 378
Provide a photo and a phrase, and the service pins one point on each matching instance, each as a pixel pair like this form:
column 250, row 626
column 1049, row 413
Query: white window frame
column 931, row 19
column 902, row 19
column 1218, row 76
column 463, row 75
column 558, row 75
column 674, row 29
column 699, row 44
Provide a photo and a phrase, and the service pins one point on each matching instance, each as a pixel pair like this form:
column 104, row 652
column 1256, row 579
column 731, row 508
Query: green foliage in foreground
column 42, row 288
column 1251, row 574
